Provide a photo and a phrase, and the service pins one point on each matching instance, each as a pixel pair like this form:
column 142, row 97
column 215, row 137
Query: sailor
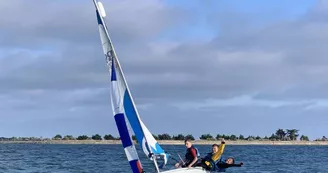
column 191, row 156
column 210, row 161
column 230, row 162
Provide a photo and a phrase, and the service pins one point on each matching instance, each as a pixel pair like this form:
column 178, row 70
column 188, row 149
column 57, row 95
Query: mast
column 113, row 55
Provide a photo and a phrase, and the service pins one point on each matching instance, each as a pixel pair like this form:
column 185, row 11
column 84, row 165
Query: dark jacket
column 189, row 156
column 222, row 165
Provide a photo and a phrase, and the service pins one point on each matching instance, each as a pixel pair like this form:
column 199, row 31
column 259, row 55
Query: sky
column 193, row 67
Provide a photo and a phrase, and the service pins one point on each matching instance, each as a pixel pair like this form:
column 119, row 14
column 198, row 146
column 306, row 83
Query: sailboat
column 125, row 112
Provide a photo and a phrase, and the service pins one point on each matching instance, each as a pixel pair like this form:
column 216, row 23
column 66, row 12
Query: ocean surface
column 17, row 158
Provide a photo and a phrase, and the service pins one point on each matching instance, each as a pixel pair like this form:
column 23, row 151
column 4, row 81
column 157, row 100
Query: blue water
column 111, row 158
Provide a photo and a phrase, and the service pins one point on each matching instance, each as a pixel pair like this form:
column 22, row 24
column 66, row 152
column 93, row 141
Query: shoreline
column 172, row 142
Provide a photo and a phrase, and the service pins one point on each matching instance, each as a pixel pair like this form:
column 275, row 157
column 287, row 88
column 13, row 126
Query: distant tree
column 155, row 136
column 191, row 137
column 96, row 137
column 250, row 138
column 292, row 134
column 33, row 139
column 206, row 137
column 108, row 137
column 179, row 137
column 280, row 134
column 13, row 139
column 241, row 137
column 233, row 137
column 258, row 138
column 174, row 137
column 304, row 138
column 266, row 138
column 227, row 137
column 164, row 136
column 218, row 137
column 68, row 137
column 57, row 137
column 83, row 137
column 273, row 137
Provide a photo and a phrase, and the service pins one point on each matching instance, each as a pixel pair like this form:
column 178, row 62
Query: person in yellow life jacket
column 210, row 161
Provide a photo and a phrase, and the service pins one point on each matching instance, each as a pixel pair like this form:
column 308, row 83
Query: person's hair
column 187, row 140
column 233, row 159
column 215, row 145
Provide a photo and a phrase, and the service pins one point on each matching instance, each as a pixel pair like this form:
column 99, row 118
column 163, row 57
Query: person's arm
column 180, row 163
column 218, row 154
column 225, row 165
column 237, row 165
column 193, row 152
column 177, row 165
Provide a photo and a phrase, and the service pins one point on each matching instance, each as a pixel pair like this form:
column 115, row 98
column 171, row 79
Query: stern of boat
column 187, row 170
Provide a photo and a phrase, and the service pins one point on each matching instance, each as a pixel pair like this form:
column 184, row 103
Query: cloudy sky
column 228, row 66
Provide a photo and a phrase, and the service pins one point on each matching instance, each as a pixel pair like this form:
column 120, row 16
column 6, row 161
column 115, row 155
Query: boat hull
column 187, row 170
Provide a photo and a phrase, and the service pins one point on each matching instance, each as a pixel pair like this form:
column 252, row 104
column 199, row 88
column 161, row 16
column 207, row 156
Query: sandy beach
column 244, row 142
column 172, row 142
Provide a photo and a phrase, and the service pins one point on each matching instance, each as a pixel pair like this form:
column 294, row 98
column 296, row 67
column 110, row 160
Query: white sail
column 121, row 96
column 116, row 97
column 124, row 109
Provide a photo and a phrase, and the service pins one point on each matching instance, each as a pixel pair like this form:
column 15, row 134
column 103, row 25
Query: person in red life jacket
column 191, row 156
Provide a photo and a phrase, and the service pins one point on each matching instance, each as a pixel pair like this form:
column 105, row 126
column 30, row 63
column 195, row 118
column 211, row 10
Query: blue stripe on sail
column 123, row 130
column 158, row 149
column 126, row 140
column 113, row 71
column 134, row 166
column 98, row 18
column 132, row 117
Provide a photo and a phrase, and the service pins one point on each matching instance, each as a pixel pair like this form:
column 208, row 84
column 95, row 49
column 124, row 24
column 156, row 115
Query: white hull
column 187, row 170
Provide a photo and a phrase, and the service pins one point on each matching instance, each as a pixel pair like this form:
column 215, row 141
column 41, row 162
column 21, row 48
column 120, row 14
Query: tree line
column 278, row 135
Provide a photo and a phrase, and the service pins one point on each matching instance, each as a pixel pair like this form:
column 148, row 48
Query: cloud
column 240, row 101
column 252, row 101
column 52, row 66
column 63, row 22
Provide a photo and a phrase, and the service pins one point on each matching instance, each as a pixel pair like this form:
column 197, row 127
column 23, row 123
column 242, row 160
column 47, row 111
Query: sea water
column 60, row 158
